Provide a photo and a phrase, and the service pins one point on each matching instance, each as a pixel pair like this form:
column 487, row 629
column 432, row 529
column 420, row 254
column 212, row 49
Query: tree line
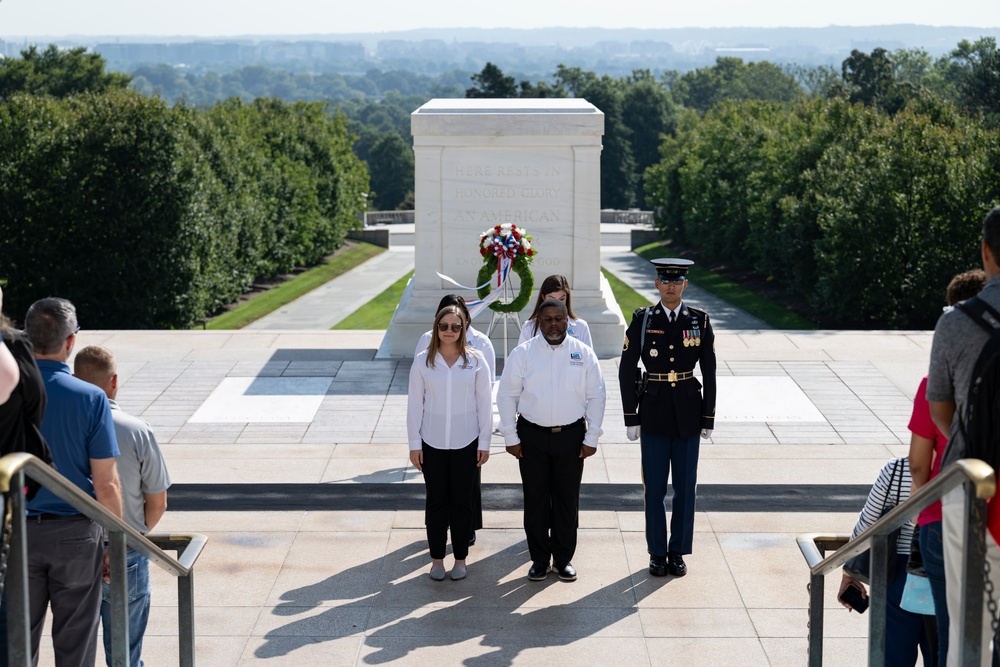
column 857, row 188
column 865, row 201
column 152, row 216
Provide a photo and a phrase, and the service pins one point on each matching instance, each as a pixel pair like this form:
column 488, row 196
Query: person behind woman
column 904, row 630
column 481, row 342
column 21, row 414
column 927, row 445
column 449, row 419
column 20, row 420
column 556, row 287
column 474, row 338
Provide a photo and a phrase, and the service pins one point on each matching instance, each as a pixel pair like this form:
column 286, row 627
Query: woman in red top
column 927, row 445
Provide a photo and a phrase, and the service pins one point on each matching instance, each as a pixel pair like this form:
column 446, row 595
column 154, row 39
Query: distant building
column 648, row 47
column 210, row 52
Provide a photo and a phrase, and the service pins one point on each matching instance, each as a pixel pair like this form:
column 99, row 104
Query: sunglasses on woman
column 455, row 328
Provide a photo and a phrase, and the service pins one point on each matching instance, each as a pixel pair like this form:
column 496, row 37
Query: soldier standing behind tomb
column 667, row 408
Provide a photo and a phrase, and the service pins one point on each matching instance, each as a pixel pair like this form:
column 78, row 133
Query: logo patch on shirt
column 575, row 355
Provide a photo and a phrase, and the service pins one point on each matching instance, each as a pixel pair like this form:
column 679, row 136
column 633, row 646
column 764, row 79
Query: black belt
column 553, row 429
column 56, row 517
column 672, row 376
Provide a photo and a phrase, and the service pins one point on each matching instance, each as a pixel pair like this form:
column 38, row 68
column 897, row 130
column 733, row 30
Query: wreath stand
column 507, row 296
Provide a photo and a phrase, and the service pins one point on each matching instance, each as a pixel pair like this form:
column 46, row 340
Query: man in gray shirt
column 957, row 343
column 144, row 482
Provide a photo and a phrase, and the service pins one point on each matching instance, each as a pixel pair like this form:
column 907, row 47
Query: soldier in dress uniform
column 669, row 408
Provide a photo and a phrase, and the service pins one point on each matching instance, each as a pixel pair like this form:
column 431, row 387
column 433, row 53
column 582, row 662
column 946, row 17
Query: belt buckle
column 672, row 376
column 557, row 429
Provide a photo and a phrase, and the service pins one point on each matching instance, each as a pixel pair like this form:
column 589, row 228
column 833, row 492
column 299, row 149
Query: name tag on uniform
column 656, row 331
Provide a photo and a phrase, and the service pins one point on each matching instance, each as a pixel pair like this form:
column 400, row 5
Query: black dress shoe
column 658, row 566
column 566, row 572
column 472, row 538
column 676, row 565
column 538, row 571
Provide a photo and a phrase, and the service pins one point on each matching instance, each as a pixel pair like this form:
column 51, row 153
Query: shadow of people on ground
column 401, row 610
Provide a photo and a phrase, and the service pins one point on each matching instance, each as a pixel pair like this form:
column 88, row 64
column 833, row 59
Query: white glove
column 706, row 433
column 632, row 432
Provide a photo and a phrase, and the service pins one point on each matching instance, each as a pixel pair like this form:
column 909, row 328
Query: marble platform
column 276, row 409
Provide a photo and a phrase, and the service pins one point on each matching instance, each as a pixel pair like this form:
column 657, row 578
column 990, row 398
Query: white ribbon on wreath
column 476, row 306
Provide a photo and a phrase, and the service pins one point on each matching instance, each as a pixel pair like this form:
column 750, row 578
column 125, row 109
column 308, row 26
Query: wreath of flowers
column 510, row 241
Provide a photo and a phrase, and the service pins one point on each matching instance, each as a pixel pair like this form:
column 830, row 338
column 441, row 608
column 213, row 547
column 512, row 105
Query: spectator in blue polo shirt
column 65, row 548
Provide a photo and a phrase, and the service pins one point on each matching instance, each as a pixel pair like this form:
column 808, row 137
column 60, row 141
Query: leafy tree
column 391, row 168
column 732, row 79
column 822, row 81
column 978, row 70
column 57, row 73
column 619, row 178
column 148, row 216
column 871, row 80
column 491, row 82
column 864, row 213
column 103, row 199
column 648, row 112
column 900, row 210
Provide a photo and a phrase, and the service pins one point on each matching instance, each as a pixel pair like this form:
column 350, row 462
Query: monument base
column 415, row 314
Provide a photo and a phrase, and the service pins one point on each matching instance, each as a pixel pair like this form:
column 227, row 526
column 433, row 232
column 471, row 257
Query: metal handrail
column 980, row 484
column 121, row 536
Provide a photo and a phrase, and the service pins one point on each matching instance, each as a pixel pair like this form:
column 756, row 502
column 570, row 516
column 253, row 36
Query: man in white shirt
column 551, row 403
column 144, row 483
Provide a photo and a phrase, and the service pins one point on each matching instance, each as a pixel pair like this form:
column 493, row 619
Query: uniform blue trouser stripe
column 660, row 454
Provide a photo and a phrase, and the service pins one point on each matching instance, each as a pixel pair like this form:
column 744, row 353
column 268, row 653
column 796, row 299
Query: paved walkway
column 341, row 579
column 279, row 410
column 330, row 303
column 637, row 273
column 327, row 305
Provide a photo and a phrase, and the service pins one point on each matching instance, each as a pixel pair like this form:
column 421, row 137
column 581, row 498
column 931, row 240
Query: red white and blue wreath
column 503, row 248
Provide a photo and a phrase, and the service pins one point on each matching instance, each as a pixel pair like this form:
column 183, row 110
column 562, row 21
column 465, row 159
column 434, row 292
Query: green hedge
column 866, row 214
column 147, row 216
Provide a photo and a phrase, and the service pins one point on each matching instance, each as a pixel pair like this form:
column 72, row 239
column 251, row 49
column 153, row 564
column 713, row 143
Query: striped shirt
column 882, row 496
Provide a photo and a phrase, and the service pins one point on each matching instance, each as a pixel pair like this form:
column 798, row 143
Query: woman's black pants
column 449, row 477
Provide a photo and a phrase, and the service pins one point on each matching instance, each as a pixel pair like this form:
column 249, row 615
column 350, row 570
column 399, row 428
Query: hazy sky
column 241, row 17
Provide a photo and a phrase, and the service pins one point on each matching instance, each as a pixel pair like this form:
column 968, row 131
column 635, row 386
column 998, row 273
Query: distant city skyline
column 228, row 18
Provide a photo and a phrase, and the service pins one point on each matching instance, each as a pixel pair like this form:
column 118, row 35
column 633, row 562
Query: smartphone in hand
column 852, row 596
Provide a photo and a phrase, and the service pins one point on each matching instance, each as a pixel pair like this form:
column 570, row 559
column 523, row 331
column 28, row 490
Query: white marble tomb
column 532, row 162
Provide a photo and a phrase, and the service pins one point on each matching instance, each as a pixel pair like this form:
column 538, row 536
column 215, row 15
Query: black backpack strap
column 981, row 313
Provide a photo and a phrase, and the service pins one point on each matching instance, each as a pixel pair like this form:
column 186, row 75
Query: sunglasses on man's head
column 455, row 328
column 677, row 280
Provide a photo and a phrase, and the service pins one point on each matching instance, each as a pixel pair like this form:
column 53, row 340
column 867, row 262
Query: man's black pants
column 551, row 471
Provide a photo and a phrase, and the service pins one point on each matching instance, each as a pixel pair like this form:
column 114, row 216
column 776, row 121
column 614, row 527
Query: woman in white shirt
column 449, row 420
column 556, row 287
column 473, row 337
column 481, row 342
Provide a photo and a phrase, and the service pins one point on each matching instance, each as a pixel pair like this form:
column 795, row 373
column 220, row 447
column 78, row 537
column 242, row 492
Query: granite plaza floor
column 273, row 409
